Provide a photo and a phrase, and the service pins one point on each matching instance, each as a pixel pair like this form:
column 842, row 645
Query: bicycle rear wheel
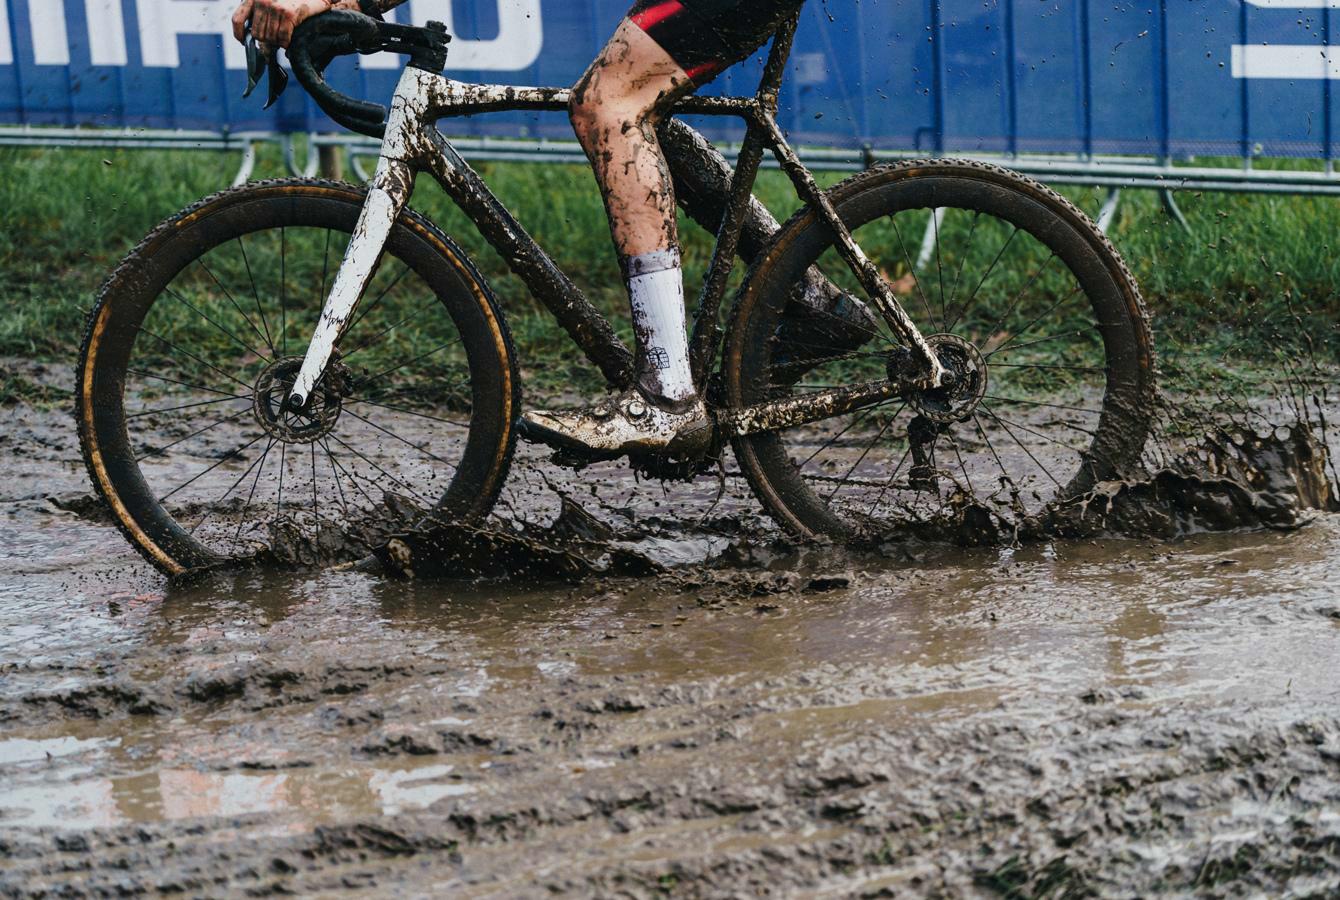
column 198, row 334
column 1025, row 298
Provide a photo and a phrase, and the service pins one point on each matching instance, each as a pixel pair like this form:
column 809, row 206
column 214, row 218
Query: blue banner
column 1172, row 78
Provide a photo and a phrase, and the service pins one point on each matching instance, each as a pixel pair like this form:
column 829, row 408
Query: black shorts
column 708, row 36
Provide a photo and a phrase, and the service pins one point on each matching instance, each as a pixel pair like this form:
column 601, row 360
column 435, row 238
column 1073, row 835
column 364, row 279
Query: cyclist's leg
column 662, row 51
column 615, row 109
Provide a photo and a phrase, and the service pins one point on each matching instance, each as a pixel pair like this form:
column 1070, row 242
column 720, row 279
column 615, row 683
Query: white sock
column 656, row 294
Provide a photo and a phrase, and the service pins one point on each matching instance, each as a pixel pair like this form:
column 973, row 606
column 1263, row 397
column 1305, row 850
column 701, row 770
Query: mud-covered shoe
column 627, row 423
column 820, row 323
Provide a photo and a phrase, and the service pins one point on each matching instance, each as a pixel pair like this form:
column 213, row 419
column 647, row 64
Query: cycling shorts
column 706, row 37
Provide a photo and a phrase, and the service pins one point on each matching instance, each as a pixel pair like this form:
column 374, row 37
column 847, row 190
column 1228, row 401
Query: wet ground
column 1117, row 717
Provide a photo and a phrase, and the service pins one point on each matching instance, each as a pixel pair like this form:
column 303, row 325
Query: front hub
column 295, row 426
column 964, row 385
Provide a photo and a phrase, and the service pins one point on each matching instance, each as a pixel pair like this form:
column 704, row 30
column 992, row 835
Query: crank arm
column 388, row 193
column 789, row 412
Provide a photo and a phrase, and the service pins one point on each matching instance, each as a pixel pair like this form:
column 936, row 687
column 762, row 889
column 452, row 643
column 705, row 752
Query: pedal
column 696, row 442
column 579, row 459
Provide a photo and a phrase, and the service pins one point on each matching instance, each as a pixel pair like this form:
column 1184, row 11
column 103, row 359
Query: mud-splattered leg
column 615, row 110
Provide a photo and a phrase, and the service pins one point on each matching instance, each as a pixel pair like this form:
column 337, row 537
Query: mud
column 1057, row 717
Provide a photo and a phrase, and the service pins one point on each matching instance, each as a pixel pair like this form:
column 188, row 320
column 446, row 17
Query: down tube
column 583, row 322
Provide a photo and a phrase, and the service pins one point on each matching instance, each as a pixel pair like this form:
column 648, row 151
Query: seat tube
column 388, row 193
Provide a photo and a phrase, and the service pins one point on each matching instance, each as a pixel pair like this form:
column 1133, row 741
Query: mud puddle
column 1066, row 716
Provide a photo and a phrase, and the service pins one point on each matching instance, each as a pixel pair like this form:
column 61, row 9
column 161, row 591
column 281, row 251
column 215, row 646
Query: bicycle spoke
column 191, row 306
column 865, row 413
column 161, row 450
column 411, row 392
column 1002, row 420
column 374, row 465
column 283, row 459
column 237, row 306
column 316, row 506
column 1049, row 366
column 1019, row 296
column 989, row 269
column 242, row 517
column 325, row 269
column 1005, row 475
column 232, row 487
column 893, row 476
column 381, row 334
column 860, row 459
column 912, row 270
column 1044, row 315
column 1024, row 448
column 1006, row 348
column 380, row 375
column 1039, row 403
column 963, row 465
column 191, row 355
column 963, row 263
column 256, row 293
column 353, row 478
column 198, row 387
column 373, row 305
column 403, row 440
column 283, row 293
column 939, row 266
column 898, row 412
column 156, row 412
column 227, row 456
column 408, row 412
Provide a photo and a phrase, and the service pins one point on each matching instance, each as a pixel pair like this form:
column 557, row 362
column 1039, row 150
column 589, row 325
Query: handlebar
column 318, row 41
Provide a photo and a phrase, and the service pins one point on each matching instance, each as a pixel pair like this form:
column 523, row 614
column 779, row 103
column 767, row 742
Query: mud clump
column 1233, row 480
column 576, row 546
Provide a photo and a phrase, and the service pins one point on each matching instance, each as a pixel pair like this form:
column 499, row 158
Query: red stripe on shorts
column 655, row 15
column 707, row 68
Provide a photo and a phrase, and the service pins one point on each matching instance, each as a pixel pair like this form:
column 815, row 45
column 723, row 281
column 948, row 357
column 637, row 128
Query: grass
column 1253, row 268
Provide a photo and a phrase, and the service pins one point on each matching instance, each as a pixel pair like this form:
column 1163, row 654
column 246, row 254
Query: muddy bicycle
column 286, row 357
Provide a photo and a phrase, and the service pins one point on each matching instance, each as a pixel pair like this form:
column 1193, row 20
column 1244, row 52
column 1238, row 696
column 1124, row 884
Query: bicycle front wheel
column 197, row 336
column 1024, row 299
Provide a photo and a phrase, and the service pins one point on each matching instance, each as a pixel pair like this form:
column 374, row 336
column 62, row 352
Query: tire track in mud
column 698, row 787
column 851, row 777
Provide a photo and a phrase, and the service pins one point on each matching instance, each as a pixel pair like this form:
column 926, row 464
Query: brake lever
column 278, row 80
column 262, row 60
column 255, row 61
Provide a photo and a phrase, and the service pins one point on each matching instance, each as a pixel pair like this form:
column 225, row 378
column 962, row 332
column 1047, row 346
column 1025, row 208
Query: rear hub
column 964, row 384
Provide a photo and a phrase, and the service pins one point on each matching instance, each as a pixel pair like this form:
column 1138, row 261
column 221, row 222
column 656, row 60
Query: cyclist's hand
column 273, row 21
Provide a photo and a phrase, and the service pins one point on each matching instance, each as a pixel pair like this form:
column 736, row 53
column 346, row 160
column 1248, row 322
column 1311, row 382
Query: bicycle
column 1032, row 380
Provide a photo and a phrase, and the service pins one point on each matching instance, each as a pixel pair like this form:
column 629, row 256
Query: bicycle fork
column 388, row 193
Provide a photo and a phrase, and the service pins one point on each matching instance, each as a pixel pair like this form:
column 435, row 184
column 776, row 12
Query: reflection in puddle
column 40, row 792
column 21, row 750
column 414, row 788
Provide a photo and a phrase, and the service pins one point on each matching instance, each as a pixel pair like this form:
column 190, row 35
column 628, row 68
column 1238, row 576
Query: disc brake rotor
column 964, row 386
column 306, row 426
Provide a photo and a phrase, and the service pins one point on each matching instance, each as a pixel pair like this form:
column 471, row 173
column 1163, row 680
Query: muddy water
column 1119, row 717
